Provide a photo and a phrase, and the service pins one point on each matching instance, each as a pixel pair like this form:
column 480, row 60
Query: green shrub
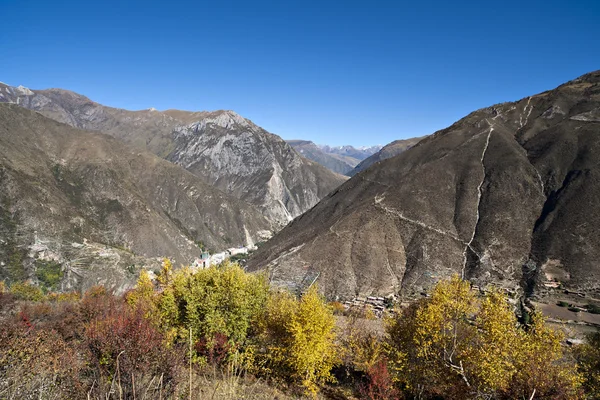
column 574, row 309
column 593, row 308
column 49, row 273
column 562, row 304
column 27, row 291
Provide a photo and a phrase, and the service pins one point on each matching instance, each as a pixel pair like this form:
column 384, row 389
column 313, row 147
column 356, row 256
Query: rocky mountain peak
column 222, row 118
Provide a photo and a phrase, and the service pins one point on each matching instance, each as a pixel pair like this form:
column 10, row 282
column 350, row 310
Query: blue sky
column 335, row 72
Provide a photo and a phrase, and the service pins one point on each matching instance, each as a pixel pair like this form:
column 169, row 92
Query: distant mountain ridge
column 221, row 147
column 359, row 153
column 334, row 162
column 340, row 159
column 389, row 150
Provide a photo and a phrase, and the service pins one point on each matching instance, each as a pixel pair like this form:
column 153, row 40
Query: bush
column 362, row 346
column 594, row 309
column 49, row 274
column 38, row 363
column 128, row 351
column 63, row 297
column 222, row 300
column 588, row 357
column 26, row 291
column 563, row 304
column 215, row 350
column 574, row 309
column 379, row 385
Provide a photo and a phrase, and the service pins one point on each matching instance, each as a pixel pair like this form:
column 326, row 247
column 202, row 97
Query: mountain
column 334, row 162
column 221, row 148
column 508, row 195
column 387, row 151
column 101, row 209
column 359, row 153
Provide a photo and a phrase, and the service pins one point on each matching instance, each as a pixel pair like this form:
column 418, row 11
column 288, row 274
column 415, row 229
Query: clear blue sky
column 335, row 72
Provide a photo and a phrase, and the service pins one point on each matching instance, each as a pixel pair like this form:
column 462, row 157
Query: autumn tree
column 143, row 293
column 544, row 369
column 299, row 338
column 588, row 356
column 222, row 300
column 456, row 344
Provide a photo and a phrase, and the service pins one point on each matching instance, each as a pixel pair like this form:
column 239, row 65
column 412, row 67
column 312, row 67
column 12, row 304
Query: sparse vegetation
column 223, row 333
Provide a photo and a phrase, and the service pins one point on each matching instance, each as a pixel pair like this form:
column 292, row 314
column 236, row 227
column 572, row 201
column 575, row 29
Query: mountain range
column 102, row 192
column 507, row 196
column 221, row 148
column 338, row 159
column 101, row 208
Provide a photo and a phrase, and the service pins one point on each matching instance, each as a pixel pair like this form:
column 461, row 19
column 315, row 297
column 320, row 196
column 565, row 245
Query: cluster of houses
column 375, row 304
column 207, row 259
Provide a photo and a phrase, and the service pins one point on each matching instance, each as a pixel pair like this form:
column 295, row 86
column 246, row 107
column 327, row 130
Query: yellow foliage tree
column 442, row 332
column 300, row 339
column 312, row 351
column 166, row 272
column 588, row 356
column 543, row 369
column 143, row 293
column 218, row 300
column 456, row 344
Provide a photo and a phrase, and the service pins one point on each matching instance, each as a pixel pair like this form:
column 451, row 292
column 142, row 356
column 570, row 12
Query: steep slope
column 221, row 147
column 509, row 195
column 100, row 208
column 334, row 162
column 388, row 151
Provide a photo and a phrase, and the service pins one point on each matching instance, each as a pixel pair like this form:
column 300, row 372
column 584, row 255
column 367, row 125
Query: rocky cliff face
column 102, row 209
column 508, row 195
column 387, row 151
column 222, row 148
column 254, row 165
